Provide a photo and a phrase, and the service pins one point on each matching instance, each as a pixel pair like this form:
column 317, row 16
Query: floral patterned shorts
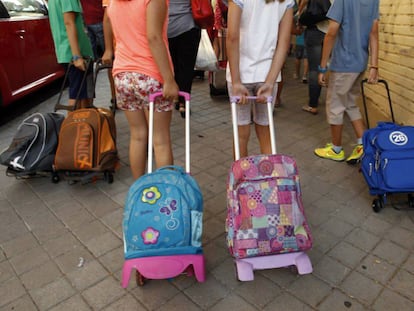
column 133, row 90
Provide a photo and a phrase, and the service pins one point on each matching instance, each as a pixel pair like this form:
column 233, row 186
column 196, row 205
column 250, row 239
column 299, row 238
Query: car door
column 38, row 52
column 39, row 60
column 27, row 54
column 11, row 43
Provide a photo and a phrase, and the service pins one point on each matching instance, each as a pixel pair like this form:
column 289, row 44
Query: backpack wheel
column 377, row 205
column 410, row 201
column 109, row 177
column 55, row 178
column 139, row 278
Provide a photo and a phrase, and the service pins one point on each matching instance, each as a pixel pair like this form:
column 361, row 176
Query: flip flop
column 309, row 109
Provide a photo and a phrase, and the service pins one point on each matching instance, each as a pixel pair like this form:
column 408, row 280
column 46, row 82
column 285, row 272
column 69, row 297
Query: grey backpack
column 34, row 145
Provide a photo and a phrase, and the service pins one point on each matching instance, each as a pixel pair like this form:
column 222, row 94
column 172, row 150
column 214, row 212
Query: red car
column 27, row 55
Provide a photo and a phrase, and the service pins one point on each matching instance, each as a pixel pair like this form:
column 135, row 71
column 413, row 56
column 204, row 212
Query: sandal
column 181, row 109
column 311, row 110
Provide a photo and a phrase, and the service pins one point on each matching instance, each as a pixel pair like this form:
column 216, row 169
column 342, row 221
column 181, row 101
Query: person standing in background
column 352, row 35
column 300, row 50
column 258, row 41
column 142, row 66
column 301, row 57
column 72, row 45
column 220, row 27
column 93, row 14
column 93, row 17
column 313, row 45
column 183, row 39
column 108, row 55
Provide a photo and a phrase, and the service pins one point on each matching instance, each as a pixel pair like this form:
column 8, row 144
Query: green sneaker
column 356, row 155
column 328, row 153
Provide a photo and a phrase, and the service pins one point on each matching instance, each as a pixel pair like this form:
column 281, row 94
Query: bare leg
column 263, row 134
column 359, row 127
column 336, row 133
column 111, row 83
column 244, row 134
column 297, row 67
column 162, row 139
column 138, row 141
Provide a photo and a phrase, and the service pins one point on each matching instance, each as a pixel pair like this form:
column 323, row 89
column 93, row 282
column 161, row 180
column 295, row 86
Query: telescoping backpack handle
column 152, row 98
column 58, row 105
column 234, row 100
column 365, row 81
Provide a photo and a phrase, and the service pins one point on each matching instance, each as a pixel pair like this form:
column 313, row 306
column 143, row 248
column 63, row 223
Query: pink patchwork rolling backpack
column 265, row 224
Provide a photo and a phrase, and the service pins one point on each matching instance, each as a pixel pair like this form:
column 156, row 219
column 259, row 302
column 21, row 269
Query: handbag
column 203, row 13
column 206, row 57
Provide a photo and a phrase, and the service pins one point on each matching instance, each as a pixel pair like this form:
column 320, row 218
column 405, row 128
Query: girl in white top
column 258, row 41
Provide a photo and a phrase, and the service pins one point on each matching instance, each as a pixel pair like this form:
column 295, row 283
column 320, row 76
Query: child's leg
column 138, row 141
column 263, row 135
column 305, row 66
column 297, row 68
column 244, row 134
column 244, row 119
column 261, row 120
column 112, row 85
column 162, row 139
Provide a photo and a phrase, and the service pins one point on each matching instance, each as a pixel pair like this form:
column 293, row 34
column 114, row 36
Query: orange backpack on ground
column 87, row 141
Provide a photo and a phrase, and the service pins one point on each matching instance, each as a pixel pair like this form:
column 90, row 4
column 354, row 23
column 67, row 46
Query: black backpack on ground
column 33, row 147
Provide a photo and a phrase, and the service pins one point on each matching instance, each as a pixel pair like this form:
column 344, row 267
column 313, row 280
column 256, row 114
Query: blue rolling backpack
column 163, row 217
column 388, row 161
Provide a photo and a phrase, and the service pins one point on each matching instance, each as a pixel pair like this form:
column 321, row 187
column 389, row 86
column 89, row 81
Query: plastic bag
column 206, row 57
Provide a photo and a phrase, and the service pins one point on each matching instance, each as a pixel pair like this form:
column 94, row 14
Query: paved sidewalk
column 61, row 244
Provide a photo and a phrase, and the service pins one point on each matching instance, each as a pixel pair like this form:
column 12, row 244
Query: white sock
column 337, row 149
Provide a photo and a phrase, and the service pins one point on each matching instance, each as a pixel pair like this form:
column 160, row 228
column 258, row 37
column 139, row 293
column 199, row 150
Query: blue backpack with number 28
column 388, row 160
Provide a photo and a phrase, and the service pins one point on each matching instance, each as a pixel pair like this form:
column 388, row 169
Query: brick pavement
column 361, row 260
